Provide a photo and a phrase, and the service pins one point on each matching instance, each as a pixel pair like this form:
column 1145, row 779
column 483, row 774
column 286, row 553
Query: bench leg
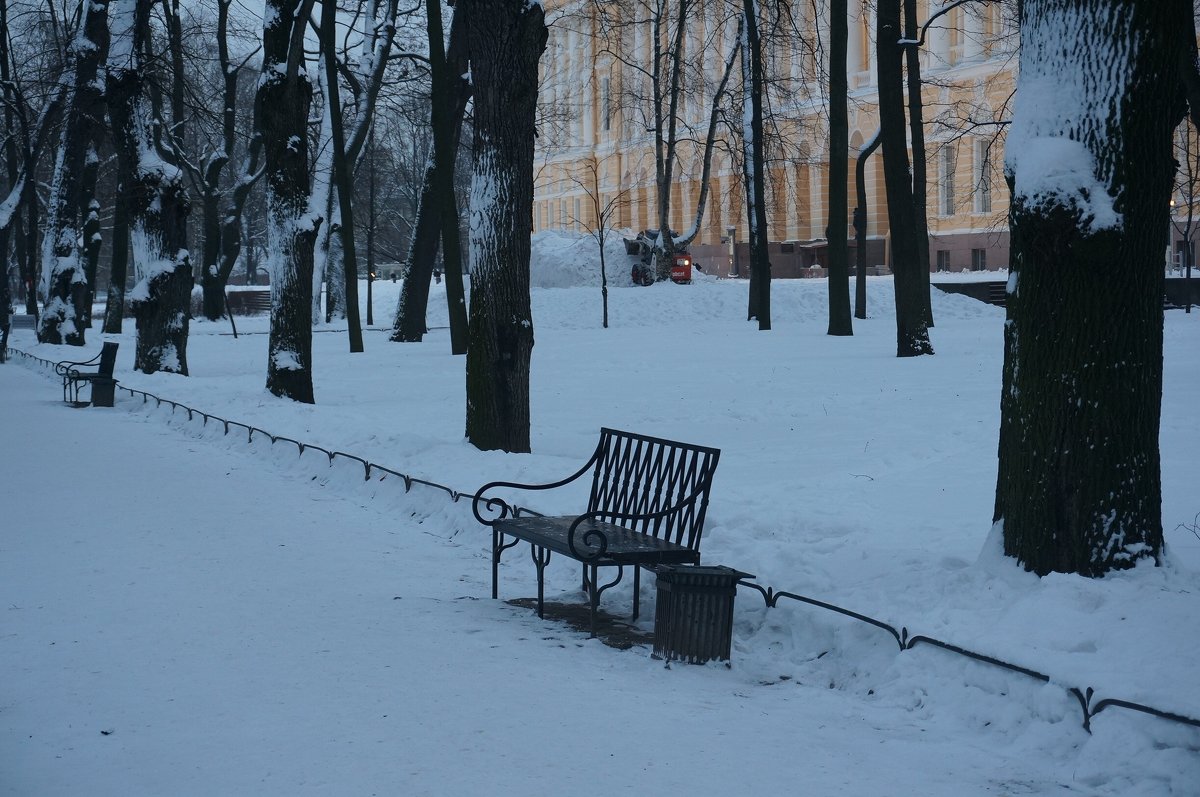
column 593, row 600
column 637, row 590
column 498, row 547
column 541, row 558
column 496, row 539
column 595, row 590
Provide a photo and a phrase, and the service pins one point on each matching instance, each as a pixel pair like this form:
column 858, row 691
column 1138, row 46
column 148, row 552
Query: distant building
column 593, row 122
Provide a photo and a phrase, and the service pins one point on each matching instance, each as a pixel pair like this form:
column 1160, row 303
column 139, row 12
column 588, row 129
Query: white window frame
column 983, row 176
column 946, row 180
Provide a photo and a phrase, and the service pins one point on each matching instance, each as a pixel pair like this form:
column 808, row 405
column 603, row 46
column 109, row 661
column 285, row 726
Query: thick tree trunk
column 212, row 290
column 506, row 39
column 916, row 126
column 839, row 146
column 114, row 307
column 285, row 93
column 64, row 263
column 409, row 325
column 912, row 330
column 29, row 262
column 1078, row 487
column 156, row 201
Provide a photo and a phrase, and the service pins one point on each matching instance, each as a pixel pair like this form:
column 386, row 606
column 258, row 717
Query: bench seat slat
column 624, row 546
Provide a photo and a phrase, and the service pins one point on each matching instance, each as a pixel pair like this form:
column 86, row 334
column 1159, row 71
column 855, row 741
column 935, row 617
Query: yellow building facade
column 596, row 144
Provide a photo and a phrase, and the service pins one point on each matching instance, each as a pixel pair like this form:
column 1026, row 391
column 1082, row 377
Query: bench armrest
column 494, row 504
column 66, row 366
column 596, row 541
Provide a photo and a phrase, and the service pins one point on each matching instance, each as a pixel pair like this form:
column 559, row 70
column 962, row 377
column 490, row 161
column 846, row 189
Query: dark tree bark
column 1079, row 485
column 506, row 39
column 916, row 126
column 285, row 93
column 114, row 306
column 839, row 146
column 64, row 263
column 29, row 262
column 223, row 229
column 912, row 330
column 445, row 147
column 756, row 181
column 152, row 187
column 860, row 228
column 409, row 325
column 13, row 171
column 342, row 176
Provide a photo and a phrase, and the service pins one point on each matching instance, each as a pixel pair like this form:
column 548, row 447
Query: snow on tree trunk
column 285, row 94
column 156, row 201
column 754, row 166
column 506, row 39
column 1089, row 162
column 64, row 284
column 327, row 258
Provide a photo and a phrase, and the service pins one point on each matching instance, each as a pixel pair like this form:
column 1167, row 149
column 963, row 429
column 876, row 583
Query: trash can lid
column 701, row 570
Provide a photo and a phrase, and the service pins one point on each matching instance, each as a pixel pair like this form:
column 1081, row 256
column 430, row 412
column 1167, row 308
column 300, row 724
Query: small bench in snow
column 646, row 508
column 101, row 380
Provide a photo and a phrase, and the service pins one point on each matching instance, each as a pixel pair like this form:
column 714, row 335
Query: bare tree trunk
column 152, row 186
column 342, row 179
column 1079, row 484
column 285, row 94
column 916, row 126
column 64, row 267
column 839, row 146
column 756, row 184
column 444, row 150
column 860, row 228
column 118, row 272
column 912, row 331
column 506, row 40
column 409, row 325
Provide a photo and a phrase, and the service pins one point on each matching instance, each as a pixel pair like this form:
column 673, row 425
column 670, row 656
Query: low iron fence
column 770, row 595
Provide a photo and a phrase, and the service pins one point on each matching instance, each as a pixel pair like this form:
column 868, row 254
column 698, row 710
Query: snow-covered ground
column 194, row 615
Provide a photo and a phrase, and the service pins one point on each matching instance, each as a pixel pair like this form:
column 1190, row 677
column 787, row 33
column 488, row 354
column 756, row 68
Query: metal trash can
column 693, row 613
column 103, row 391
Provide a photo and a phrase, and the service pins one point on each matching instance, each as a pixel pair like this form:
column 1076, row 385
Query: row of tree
column 1078, row 486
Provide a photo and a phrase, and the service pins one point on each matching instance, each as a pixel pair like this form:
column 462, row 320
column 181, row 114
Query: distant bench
column 101, row 380
column 646, row 507
column 250, row 302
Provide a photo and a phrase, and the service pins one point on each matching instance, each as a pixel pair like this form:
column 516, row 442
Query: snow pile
column 571, row 260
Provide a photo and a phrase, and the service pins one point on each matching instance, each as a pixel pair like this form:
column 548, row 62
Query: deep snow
column 244, row 621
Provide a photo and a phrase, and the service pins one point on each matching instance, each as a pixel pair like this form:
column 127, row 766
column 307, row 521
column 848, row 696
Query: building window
column 943, row 260
column 578, row 214
column 946, row 179
column 605, row 105
column 562, row 214
column 983, row 176
column 979, row 260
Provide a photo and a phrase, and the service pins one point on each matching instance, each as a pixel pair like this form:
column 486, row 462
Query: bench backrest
column 108, row 359
column 636, row 474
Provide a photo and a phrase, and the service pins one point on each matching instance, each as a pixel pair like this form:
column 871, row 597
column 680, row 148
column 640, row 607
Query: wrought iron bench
column 101, row 380
column 646, row 508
